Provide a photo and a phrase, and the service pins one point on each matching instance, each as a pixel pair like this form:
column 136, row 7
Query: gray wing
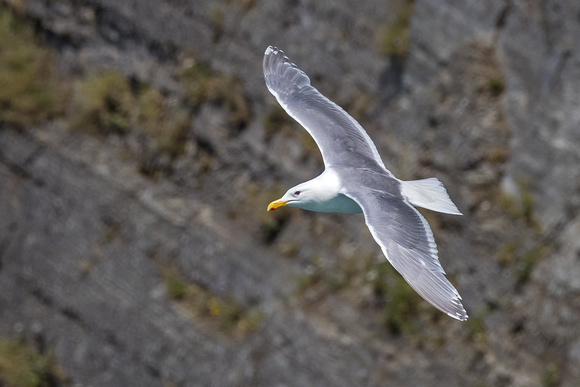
column 339, row 137
column 407, row 241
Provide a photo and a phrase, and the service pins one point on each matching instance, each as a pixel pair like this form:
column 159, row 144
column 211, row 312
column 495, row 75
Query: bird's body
column 356, row 180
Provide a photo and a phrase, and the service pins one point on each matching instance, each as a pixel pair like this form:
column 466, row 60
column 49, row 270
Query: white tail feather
column 430, row 194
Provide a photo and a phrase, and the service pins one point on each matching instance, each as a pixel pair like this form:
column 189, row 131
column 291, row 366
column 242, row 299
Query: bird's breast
column 340, row 203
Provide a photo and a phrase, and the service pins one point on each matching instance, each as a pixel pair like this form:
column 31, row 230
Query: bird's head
column 300, row 196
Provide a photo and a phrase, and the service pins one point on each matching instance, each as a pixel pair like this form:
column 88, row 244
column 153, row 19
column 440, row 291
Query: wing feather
column 408, row 244
column 339, row 137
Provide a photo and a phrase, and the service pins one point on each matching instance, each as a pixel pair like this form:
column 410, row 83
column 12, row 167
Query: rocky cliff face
column 134, row 244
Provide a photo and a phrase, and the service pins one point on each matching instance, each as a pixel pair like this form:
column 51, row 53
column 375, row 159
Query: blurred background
column 139, row 148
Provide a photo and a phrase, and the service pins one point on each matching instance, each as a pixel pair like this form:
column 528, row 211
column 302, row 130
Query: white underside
column 340, row 203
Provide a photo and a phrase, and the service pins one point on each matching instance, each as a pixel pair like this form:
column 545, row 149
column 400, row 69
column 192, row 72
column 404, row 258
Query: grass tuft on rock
column 394, row 39
column 226, row 314
column 401, row 307
column 106, row 104
column 495, row 86
column 23, row 365
column 164, row 122
column 103, row 104
column 204, row 85
column 29, row 89
column 399, row 301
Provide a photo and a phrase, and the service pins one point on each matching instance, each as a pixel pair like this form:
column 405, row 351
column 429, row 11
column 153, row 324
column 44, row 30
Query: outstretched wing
column 407, row 241
column 339, row 137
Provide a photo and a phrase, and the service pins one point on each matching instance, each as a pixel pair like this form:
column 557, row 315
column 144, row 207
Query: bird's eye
column 296, row 193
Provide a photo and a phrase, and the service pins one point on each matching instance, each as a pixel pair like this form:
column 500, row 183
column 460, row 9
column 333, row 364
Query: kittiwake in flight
column 356, row 180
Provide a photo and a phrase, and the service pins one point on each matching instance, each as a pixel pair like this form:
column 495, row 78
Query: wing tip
column 272, row 57
column 280, row 72
column 457, row 311
column 459, row 316
column 271, row 50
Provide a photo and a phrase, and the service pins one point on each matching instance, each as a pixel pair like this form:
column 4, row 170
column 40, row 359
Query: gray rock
column 485, row 99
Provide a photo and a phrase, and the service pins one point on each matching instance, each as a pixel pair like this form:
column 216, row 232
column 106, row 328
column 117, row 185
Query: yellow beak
column 277, row 203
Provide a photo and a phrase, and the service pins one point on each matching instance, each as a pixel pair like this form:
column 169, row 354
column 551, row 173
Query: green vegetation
column 332, row 281
column 289, row 249
column 551, row 376
column 271, row 227
column 506, row 254
column 495, row 86
column 108, row 103
column 476, row 327
column 522, row 207
column 312, row 277
column 270, row 223
column 217, row 19
column 378, row 280
column 103, row 104
column 231, row 317
column 246, row 4
column 401, row 303
column 319, row 275
column 112, row 230
column 511, row 254
column 508, row 204
column 203, row 85
column 23, row 365
column 165, row 123
column 176, row 286
column 526, row 263
column 200, row 83
column 30, row 92
column 499, row 155
column 276, row 120
column 397, row 301
column 521, row 253
column 527, row 203
column 395, row 38
column 359, row 106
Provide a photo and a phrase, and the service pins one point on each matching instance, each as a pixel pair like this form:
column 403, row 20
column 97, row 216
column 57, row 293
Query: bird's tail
column 430, row 194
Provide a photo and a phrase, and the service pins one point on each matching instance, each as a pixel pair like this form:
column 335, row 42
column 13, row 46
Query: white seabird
column 356, row 180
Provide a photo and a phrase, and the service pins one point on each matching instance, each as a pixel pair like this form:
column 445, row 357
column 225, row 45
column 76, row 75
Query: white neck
column 326, row 197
